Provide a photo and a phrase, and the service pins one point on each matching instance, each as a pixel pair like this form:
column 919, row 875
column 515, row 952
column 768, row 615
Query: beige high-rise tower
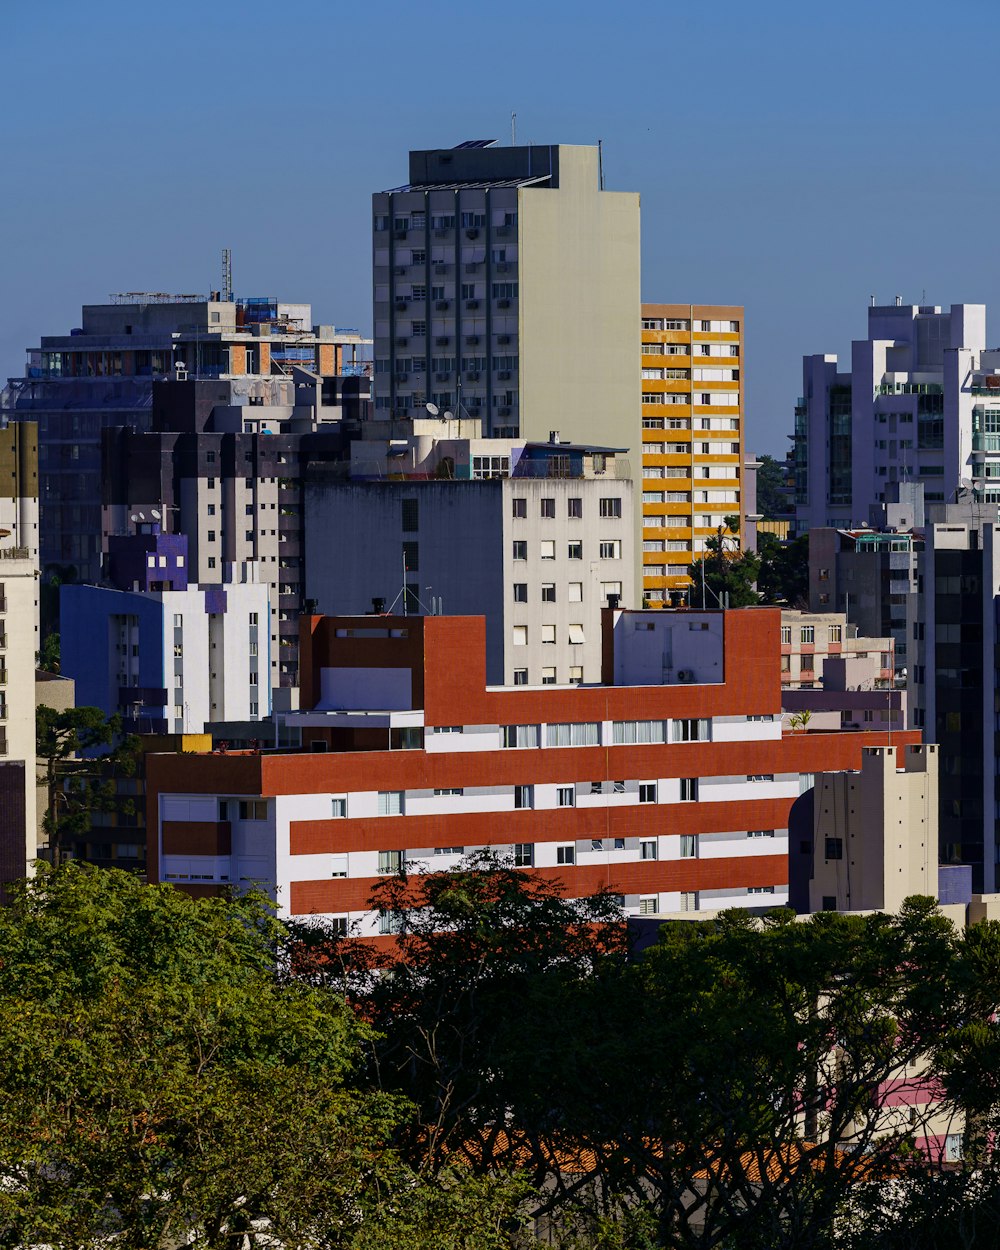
column 506, row 284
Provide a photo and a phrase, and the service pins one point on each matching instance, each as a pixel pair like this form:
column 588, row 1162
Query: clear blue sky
column 792, row 157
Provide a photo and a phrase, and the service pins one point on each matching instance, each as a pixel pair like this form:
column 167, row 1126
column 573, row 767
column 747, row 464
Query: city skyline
column 788, row 180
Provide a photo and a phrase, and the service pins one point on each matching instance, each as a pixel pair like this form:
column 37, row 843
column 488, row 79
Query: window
column 647, row 850
column 390, row 861
column 649, row 906
column 449, row 850
column 565, row 854
column 488, row 468
column 548, row 634
column 689, row 845
column 410, row 515
column 447, row 729
column 450, row 790
column 519, row 509
column 627, row 732
column 520, row 676
column 575, row 674
column 574, row 508
column 519, row 635
column 611, row 508
column 690, row 730
column 807, row 634
column 524, row 854
column 548, row 592
column 566, row 796
column 519, row 735
column 689, row 789
column 574, row 550
column 611, row 549
column 390, row 803
column 786, row 635
column 389, row 922
column 520, row 592
column 760, row 889
column 548, row 549
column 576, row 635
column 548, row 508
column 411, row 557
column 689, row 900
column 597, row 844
column 760, row 833
column 760, row 777
column 647, row 792
column 953, row 1147
column 834, row 848
column 338, row 808
column 524, row 797
column 585, row 734
column 520, row 550
column 574, row 592
column 548, row 676
column 253, row 809
column 833, row 633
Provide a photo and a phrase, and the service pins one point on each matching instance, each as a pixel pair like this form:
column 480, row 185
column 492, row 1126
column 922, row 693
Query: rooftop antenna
column 600, row 163
column 227, row 276
column 513, row 130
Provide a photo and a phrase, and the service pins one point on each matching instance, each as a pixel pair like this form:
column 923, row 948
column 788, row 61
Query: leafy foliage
column 784, row 570
column 773, row 500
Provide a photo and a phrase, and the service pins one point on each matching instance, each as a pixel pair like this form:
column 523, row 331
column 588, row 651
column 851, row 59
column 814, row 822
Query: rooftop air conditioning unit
column 472, row 303
column 504, row 375
column 685, row 676
column 503, row 303
column 441, row 305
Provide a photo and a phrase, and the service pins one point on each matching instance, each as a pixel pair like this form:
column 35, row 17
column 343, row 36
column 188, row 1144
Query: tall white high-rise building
column 914, row 406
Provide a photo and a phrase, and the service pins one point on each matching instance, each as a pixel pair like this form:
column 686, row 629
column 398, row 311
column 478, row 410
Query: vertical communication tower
column 227, row 275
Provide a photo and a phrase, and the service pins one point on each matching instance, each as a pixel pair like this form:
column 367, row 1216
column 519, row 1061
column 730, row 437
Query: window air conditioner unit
column 503, row 338
column 504, row 412
column 503, row 231
column 400, row 270
column 472, row 377
column 399, row 234
column 685, row 676
column 400, row 377
column 472, row 303
column 472, row 339
column 443, row 341
column 443, row 377
column 472, row 234
column 402, row 342
column 400, row 305
column 501, row 266
column 441, row 305
column 503, row 303
column 503, row 375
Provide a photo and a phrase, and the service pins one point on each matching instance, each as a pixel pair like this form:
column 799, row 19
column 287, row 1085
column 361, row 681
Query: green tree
column 783, row 576
column 773, row 500
column 727, row 574
column 162, row 1087
column 82, row 755
column 48, row 657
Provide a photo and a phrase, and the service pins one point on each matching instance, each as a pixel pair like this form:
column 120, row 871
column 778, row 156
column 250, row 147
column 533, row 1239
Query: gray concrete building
column 538, row 538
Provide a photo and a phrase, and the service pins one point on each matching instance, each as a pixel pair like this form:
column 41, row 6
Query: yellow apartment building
column 692, row 437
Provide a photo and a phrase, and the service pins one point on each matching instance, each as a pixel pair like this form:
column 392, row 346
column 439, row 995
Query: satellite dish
column 966, row 483
column 155, row 512
column 432, row 409
column 134, row 516
column 448, row 416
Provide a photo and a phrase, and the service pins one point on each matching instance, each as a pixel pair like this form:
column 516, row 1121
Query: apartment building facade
column 175, row 658
column 535, row 536
column 808, row 639
column 506, row 287
column 101, row 375
column 18, row 647
column 692, row 439
column 670, row 784
column 919, row 403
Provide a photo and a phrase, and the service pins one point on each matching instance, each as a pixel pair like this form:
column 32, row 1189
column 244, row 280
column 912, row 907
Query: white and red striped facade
column 670, row 783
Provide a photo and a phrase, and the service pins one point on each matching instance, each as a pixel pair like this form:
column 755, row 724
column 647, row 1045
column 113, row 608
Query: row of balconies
column 442, row 340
